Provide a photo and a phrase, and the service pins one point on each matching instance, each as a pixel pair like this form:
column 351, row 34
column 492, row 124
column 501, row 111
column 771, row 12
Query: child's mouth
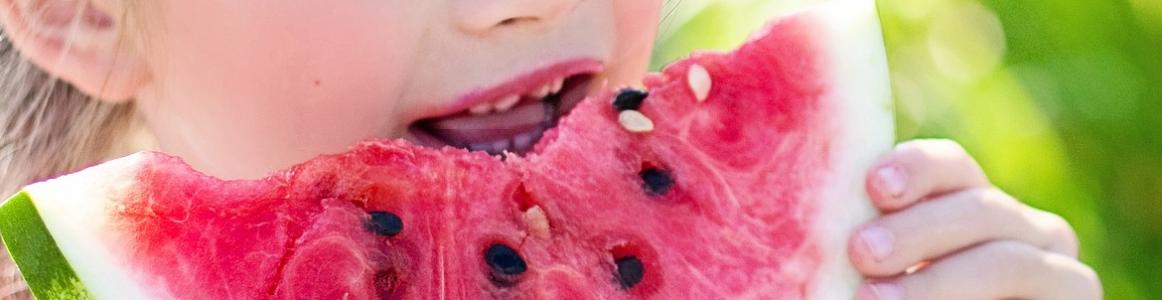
column 512, row 123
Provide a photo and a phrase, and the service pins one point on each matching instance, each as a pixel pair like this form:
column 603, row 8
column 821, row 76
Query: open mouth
column 513, row 122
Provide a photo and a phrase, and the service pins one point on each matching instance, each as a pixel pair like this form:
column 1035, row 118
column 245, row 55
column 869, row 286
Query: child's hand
column 973, row 240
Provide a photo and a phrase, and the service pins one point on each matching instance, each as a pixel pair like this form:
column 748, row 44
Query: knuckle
column 995, row 248
column 1061, row 230
column 1058, row 235
column 1078, row 279
column 1001, row 199
column 910, row 151
column 1009, row 252
column 947, row 145
column 944, row 148
column 942, row 154
column 931, row 149
column 990, row 200
column 1090, row 282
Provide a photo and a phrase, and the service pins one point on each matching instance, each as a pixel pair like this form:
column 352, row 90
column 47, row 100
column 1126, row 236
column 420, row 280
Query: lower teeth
column 520, row 144
column 551, row 112
column 524, row 141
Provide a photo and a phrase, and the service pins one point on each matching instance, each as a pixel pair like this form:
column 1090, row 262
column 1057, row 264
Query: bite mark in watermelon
column 747, row 188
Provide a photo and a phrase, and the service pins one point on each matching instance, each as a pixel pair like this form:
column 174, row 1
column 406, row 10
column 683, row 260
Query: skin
column 211, row 78
column 971, row 239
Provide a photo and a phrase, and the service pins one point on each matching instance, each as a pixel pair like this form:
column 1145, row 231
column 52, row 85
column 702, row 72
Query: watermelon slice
column 737, row 176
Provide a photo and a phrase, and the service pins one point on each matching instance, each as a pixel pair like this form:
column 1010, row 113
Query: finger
column 996, row 270
column 891, row 244
column 919, row 169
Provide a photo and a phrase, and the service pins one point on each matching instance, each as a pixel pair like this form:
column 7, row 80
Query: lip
column 521, row 84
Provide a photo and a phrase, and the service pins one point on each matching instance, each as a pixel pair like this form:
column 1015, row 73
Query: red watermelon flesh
column 748, row 193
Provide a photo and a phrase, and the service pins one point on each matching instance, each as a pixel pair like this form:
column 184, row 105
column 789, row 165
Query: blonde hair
column 49, row 128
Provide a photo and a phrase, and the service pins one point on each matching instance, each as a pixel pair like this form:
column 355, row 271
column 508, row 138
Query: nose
column 480, row 17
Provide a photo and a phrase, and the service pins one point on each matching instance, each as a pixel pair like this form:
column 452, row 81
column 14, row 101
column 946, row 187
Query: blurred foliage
column 1058, row 100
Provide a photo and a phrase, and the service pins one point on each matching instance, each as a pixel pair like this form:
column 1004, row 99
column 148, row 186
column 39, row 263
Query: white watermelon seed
column 700, row 83
column 634, row 121
column 537, row 222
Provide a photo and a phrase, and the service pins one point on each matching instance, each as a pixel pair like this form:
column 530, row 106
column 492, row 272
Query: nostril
column 483, row 17
column 510, row 21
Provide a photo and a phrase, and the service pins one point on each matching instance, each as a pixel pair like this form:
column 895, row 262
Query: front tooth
column 542, row 91
column 481, row 109
column 556, row 86
column 507, row 103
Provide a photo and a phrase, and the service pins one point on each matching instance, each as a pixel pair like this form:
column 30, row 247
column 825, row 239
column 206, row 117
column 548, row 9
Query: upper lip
column 522, row 84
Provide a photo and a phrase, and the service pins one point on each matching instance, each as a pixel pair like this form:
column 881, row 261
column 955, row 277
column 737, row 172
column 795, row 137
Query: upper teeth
column 556, row 87
column 507, row 103
column 504, row 104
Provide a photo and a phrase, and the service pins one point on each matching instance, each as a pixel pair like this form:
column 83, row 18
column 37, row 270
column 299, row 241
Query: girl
column 240, row 88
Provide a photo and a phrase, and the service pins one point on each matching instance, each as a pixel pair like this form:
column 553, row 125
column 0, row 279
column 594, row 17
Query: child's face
column 240, row 88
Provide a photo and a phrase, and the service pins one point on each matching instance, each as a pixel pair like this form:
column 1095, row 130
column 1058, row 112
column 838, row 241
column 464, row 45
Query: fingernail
column 880, row 291
column 877, row 241
column 892, row 180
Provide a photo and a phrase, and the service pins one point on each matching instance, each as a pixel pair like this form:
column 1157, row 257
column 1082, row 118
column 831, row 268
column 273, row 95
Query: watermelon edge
column 46, row 271
column 77, row 219
column 861, row 103
column 867, row 140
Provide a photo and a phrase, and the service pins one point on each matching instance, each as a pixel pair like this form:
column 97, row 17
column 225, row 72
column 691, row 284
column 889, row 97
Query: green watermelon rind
column 31, row 246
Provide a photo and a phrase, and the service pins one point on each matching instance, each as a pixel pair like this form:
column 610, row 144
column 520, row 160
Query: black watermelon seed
column 629, row 271
column 656, row 182
column 506, row 264
column 629, row 99
column 385, row 223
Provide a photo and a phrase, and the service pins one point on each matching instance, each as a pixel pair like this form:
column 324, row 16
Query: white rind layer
column 860, row 105
column 78, row 221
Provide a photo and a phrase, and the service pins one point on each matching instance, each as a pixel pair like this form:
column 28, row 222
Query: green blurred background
column 1057, row 99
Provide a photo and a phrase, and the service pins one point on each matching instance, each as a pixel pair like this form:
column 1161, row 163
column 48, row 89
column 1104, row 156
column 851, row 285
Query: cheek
column 278, row 81
column 642, row 15
column 636, row 28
